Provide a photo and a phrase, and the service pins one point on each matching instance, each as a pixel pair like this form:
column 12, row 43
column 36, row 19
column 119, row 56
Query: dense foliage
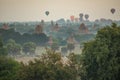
column 101, row 57
column 39, row 39
column 13, row 48
column 8, row 68
column 70, row 47
column 29, row 47
column 64, row 50
column 55, row 46
column 49, row 67
column 100, row 60
column 3, row 50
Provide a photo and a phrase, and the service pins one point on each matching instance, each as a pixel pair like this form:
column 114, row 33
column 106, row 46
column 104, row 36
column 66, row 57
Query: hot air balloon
column 47, row 13
column 72, row 18
column 86, row 16
column 76, row 19
column 112, row 10
column 81, row 16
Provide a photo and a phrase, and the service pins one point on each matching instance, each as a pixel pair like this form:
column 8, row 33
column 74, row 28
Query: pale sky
column 34, row 10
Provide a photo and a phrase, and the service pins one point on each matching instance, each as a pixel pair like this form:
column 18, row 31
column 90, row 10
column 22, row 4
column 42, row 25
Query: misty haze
column 59, row 39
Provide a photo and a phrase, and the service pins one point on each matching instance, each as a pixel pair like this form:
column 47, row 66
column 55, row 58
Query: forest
column 99, row 59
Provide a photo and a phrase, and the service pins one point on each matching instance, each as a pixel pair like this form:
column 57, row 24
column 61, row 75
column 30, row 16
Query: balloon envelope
column 72, row 18
column 81, row 14
column 76, row 19
column 86, row 16
column 47, row 13
column 112, row 10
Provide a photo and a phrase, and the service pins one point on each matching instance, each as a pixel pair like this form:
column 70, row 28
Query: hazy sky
column 34, row 10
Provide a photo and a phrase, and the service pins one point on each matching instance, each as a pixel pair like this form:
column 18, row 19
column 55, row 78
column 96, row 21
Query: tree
column 3, row 50
column 101, row 57
column 13, row 48
column 29, row 47
column 48, row 67
column 75, row 64
column 39, row 39
column 70, row 47
column 64, row 50
column 55, row 46
column 8, row 68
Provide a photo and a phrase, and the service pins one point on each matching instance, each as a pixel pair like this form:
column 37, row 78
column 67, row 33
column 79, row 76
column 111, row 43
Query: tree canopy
column 48, row 67
column 3, row 50
column 13, row 48
column 29, row 47
column 101, row 56
column 8, row 68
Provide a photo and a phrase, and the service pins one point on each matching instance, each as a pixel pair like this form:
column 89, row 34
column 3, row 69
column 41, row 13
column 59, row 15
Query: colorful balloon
column 76, row 19
column 72, row 18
